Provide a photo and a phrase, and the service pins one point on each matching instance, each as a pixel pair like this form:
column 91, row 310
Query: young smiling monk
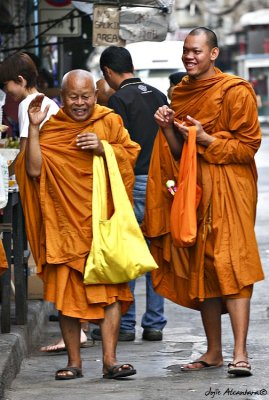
column 54, row 174
column 217, row 273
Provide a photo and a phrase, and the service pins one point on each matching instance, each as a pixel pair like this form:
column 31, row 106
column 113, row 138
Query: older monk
column 55, row 178
column 219, row 270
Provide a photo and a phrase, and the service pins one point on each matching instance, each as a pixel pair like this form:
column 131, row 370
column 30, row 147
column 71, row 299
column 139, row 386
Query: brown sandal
column 75, row 373
column 239, row 370
column 203, row 366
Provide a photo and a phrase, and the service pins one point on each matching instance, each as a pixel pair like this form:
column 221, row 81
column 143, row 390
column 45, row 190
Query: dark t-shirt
column 136, row 102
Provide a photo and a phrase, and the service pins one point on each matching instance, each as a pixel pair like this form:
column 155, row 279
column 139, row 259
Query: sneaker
column 124, row 336
column 152, row 334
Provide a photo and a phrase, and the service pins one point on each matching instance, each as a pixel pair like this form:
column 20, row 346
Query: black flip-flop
column 239, row 370
column 76, row 373
column 118, row 371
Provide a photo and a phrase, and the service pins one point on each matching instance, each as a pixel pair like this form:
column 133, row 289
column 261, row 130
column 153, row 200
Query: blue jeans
column 153, row 317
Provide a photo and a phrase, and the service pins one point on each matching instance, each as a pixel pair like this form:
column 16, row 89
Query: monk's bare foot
column 60, row 345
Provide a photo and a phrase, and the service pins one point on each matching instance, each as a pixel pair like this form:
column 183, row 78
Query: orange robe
column 225, row 259
column 57, row 209
column 3, row 260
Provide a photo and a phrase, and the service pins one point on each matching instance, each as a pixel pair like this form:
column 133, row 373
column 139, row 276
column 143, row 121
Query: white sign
column 61, row 21
column 106, row 26
column 141, row 24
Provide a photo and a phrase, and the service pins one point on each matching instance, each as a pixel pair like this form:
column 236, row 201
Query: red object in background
column 242, row 47
column 266, row 45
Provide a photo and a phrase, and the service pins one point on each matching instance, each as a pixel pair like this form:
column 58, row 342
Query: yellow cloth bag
column 119, row 251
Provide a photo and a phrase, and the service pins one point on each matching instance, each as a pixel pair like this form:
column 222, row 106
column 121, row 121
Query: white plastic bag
column 3, row 182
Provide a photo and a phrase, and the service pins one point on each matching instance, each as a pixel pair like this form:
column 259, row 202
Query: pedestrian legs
column 153, row 318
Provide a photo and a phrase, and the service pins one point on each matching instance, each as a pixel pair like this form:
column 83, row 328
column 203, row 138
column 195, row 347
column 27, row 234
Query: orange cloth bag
column 183, row 218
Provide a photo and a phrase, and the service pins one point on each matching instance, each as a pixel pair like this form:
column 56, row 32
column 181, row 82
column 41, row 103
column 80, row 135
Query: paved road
column 159, row 376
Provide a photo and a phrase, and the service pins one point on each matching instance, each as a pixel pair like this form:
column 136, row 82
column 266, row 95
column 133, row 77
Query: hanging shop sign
column 106, row 26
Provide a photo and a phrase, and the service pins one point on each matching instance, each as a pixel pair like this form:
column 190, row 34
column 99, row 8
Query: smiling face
column 17, row 90
column 198, row 57
column 78, row 95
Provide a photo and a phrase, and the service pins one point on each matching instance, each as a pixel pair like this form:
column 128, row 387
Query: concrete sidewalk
column 157, row 363
column 18, row 344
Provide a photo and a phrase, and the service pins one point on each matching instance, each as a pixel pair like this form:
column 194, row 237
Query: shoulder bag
column 119, row 252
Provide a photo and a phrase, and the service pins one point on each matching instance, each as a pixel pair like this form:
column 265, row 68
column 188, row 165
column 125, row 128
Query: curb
column 22, row 339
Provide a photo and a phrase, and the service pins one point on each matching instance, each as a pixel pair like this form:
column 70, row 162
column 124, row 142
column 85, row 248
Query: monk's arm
column 164, row 117
column 240, row 137
column 33, row 156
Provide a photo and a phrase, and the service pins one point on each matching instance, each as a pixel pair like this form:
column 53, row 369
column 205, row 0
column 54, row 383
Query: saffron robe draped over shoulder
column 57, row 209
column 225, row 259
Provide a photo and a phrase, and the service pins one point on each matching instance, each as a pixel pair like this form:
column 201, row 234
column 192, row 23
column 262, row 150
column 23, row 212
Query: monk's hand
column 36, row 115
column 182, row 129
column 202, row 137
column 90, row 141
column 164, row 116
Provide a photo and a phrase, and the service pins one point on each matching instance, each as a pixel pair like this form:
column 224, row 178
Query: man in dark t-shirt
column 136, row 102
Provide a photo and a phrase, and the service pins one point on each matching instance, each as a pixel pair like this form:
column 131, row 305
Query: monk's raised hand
column 90, row 141
column 36, row 115
column 164, row 116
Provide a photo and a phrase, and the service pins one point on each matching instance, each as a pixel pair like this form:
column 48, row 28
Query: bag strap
column 99, row 195
column 119, row 194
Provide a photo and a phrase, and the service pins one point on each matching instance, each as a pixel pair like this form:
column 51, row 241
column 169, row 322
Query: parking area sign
column 106, row 26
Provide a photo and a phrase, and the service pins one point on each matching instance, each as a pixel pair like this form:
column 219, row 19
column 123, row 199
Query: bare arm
column 33, row 156
column 164, row 117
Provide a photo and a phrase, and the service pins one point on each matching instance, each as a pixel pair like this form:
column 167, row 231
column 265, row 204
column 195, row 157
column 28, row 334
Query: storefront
column 255, row 69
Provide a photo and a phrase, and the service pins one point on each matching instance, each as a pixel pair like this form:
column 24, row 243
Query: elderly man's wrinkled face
column 79, row 97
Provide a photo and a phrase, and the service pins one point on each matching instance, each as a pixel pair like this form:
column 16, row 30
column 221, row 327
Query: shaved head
column 78, row 75
column 212, row 40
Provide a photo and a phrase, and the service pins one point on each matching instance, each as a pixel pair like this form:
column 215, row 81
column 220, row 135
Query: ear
column 96, row 94
column 21, row 80
column 107, row 71
column 214, row 53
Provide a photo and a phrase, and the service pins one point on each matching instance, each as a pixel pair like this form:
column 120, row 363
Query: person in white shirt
column 18, row 74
